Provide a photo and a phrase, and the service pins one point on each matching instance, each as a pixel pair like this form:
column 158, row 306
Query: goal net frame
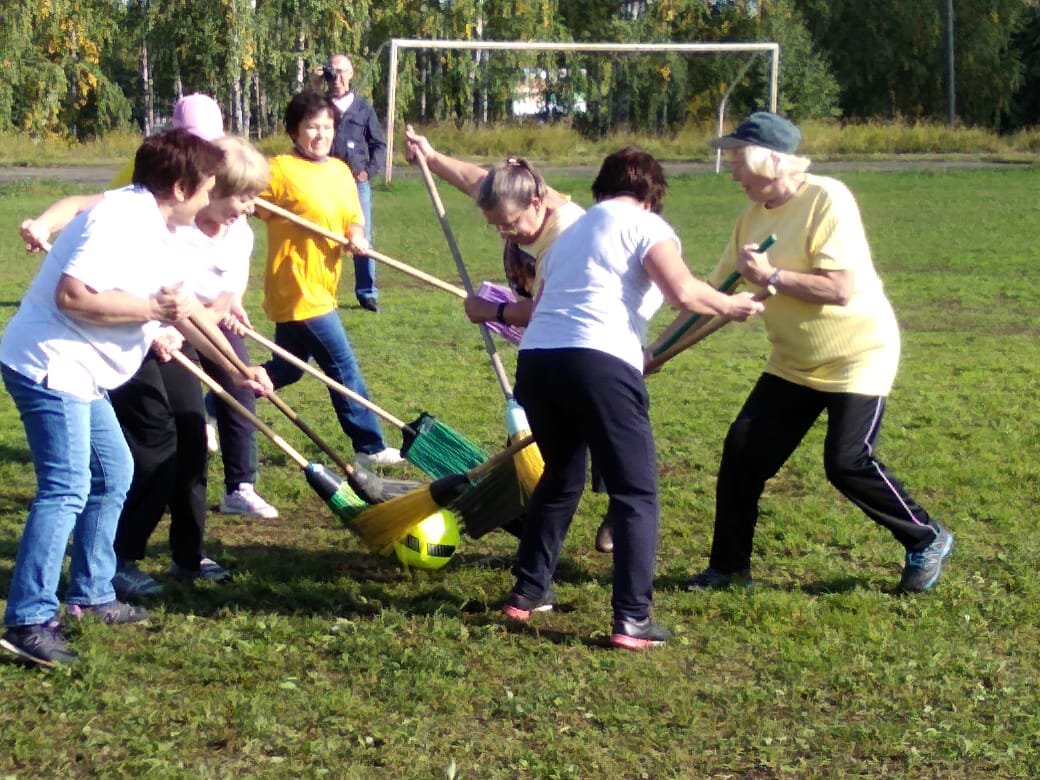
column 397, row 44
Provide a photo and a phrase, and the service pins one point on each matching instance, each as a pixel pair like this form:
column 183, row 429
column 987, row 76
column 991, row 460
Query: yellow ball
column 430, row 543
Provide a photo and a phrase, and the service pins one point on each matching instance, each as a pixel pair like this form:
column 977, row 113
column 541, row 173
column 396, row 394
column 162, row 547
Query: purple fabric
column 496, row 293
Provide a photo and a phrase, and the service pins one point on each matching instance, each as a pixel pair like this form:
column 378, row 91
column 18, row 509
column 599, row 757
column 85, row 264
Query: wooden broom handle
column 344, row 241
column 306, row 367
column 230, row 400
column 449, row 235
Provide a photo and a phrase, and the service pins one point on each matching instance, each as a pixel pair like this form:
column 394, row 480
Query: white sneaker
column 246, row 501
column 389, row 456
column 212, row 442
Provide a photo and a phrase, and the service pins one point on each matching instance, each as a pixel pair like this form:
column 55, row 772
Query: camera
column 328, row 74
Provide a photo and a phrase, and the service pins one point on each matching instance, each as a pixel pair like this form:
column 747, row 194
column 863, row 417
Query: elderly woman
column 835, row 349
column 82, row 329
column 580, row 378
column 529, row 215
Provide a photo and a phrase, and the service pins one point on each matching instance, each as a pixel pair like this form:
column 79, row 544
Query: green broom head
column 337, row 495
column 494, row 501
column 438, row 450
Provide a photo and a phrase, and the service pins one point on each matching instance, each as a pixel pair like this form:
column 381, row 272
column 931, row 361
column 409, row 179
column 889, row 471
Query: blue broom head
column 439, row 450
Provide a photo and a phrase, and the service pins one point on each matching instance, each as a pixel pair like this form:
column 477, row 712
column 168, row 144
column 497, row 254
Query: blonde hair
column 245, row 170
column 771, row 164
column 515, row 182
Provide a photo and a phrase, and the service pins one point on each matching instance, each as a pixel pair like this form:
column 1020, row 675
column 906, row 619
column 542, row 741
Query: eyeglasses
column 510, row 228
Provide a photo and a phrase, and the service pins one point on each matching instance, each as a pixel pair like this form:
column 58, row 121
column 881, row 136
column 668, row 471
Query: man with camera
column 361, row 144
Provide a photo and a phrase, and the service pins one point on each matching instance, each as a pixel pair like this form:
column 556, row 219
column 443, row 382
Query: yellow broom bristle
column 383, row 525
column 529, row 466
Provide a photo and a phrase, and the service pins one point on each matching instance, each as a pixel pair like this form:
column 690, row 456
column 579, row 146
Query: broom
column 344, row 241
column 345, row 504
column 529, row 463
column 727, row 285
column 385, row 524
column 429, row 444
column 363, row 482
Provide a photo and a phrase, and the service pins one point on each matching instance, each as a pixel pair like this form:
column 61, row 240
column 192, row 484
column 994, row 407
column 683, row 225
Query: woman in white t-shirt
column 580, row 379
column 82, row 329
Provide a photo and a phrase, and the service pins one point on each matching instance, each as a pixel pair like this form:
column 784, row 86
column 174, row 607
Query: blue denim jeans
column 324, row 339
column 365, row 266
column 83, row 471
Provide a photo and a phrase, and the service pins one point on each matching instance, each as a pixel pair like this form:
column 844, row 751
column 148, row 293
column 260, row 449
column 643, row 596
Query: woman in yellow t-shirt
column 303, row 270
column 835, row 349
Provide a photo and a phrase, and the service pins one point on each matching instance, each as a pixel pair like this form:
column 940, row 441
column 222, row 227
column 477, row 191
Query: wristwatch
column 774, row 280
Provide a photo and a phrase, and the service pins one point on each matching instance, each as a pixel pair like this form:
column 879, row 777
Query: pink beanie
column 200, row 115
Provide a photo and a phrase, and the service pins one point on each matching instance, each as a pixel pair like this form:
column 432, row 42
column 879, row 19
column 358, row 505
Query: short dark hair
column 306, row 104
column 631, row 171
column 174, row 156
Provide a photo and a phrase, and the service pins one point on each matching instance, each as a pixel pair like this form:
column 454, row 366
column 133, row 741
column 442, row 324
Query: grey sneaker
column 713, row 579
column 521, row 608
column 114, row 612
column 922, row 569
column 638, row 634
column 131, row 583
column 209, row 571
column 43, row 644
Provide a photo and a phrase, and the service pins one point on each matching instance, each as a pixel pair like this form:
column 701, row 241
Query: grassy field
column 321, row 660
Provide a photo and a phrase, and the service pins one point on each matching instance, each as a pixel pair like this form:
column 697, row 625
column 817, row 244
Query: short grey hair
column 771, row 164
column 514, row 181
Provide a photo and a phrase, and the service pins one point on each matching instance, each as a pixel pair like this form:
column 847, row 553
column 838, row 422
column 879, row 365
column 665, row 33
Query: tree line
column 81, row 68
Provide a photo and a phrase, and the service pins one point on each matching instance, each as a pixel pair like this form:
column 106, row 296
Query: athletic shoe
column 605, row 536
column 132, row 584
column 388, row 456
column 713, row 579
column 209, row 571
column 521, row 608
column 112, row 612
column 212, row 441
column 246, row 501
column 369, row 304
column 638, row 634
column 43, row 645
column 923, row 568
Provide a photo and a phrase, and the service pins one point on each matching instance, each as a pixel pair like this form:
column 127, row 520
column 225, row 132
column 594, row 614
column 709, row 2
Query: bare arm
column 816, row 286
column 37, row 232
column 666, row 268
column 113, row 307
column 517, row 313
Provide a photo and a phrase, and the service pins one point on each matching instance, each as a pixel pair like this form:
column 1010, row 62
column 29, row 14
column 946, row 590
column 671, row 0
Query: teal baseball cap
column 763, row 128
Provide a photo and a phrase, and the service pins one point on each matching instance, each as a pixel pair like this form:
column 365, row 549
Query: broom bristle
column 382, row 525
column 491, row 503
column 529, row 466
column 439, row 450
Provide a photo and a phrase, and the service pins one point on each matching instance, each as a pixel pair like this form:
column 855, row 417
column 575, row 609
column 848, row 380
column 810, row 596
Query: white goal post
column 396, row 44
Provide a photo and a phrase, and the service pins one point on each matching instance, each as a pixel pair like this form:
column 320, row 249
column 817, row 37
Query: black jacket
column 359, row 140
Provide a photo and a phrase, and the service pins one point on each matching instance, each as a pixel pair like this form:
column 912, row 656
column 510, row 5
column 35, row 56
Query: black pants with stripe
column 775, row 418
column 578, row 400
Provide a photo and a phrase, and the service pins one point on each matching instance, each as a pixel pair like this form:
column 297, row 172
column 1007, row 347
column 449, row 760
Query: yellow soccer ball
column 430, row 543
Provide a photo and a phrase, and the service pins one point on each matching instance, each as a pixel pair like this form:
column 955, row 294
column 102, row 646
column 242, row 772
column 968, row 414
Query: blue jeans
column 83, row 471
column 324, row 339
column 365, row 266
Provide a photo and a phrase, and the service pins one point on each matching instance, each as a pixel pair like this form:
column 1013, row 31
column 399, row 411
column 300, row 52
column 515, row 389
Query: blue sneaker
column 924, row 567
column 43, row 645
column 114, row 612
column 638, row 634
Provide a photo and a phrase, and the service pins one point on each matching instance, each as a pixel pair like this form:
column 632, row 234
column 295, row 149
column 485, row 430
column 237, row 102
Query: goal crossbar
column 396, row 44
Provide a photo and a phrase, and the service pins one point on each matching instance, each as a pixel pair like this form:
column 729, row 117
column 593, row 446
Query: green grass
column 323, row 660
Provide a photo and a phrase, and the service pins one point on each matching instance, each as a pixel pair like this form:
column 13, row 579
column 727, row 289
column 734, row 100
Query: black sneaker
column 922, row 569
column 43, row 644
column 112, row 613
column 521, row 608
column 638, row 634
column 369, row 304
column 713, row 579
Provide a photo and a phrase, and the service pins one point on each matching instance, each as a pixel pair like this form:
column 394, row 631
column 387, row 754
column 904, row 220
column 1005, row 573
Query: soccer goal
column 755, row 50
